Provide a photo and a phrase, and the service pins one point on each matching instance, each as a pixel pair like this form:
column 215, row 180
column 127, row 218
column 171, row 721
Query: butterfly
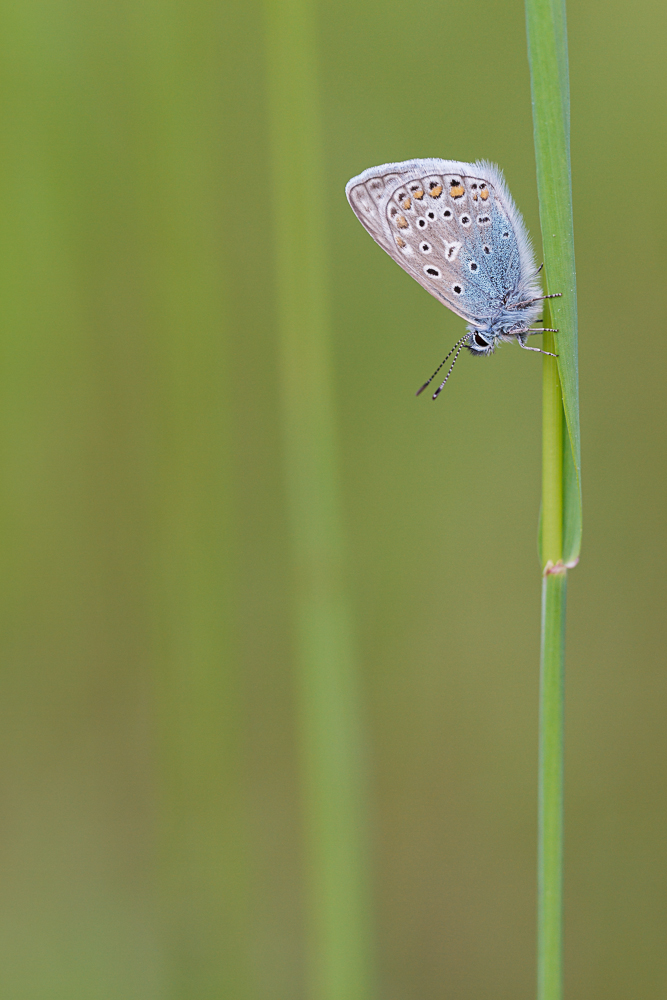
column 455, row 228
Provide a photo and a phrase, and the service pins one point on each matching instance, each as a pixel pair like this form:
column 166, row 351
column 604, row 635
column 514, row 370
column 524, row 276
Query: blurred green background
column 151, row 839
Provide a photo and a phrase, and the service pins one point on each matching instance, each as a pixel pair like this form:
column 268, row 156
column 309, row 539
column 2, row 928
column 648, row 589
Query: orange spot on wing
column 457, row 191
column 399, row 242
column 402, row 222
column 418, row 194
column 474, row 197
column 406, row 203
column 484, row 194
column 436, row 191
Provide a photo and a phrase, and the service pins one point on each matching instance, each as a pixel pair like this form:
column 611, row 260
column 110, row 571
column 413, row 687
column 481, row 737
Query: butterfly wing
column 452, row 226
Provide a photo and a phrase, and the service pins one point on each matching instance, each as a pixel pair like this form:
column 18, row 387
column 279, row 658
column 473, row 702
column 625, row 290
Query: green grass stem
column 337, row 920
column 547, row 52
column 560, row 523
column 550, row 812
column 552, row 455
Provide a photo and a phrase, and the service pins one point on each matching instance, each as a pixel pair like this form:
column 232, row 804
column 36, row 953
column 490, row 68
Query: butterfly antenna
column 458, row 342
column 444, row 382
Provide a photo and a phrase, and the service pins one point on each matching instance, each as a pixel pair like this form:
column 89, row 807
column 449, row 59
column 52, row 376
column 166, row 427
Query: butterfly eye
column 480, row 341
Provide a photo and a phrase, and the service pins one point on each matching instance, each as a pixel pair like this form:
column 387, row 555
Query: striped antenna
column 443, row 383
column 459, row 344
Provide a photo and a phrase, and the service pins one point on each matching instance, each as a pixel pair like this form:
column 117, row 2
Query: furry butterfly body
column 455, row 228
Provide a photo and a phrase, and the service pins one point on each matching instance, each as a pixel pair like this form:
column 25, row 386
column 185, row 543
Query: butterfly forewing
column 450, row 225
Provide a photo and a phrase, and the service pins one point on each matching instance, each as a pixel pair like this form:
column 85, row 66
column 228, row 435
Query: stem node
column 555, row 568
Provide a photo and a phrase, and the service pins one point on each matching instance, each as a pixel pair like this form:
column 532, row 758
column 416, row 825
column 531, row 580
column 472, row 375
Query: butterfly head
column 481, row 342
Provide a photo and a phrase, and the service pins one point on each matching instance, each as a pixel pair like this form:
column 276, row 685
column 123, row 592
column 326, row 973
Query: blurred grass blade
column 326, row 668
column 547, row 51
column 184, row 98
column 114, row 437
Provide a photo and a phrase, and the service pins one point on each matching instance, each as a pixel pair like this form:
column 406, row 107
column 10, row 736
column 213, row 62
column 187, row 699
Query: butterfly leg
column 537, row 349
column 538, row 298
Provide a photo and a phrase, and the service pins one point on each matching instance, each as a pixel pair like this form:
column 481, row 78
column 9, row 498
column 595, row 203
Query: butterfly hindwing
column 452, row 226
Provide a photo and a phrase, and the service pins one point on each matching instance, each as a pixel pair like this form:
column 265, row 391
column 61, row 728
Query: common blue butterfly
column 455, row 228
